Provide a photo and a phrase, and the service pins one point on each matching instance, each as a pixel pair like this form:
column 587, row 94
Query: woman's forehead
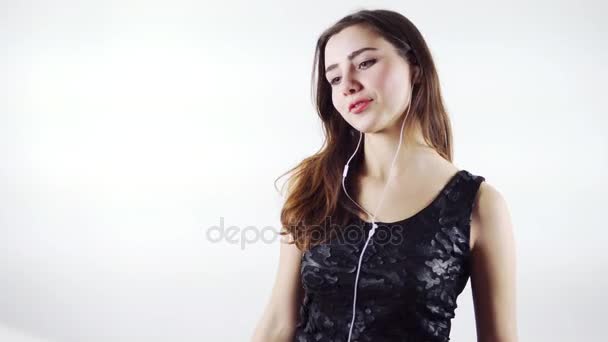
column 349, row 40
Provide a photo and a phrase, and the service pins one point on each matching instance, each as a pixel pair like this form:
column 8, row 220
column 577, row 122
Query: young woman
column 384, row 230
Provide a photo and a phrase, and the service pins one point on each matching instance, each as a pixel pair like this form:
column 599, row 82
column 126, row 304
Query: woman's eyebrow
column 350, row 57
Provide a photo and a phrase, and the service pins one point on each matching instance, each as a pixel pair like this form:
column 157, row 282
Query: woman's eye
column 371, row 61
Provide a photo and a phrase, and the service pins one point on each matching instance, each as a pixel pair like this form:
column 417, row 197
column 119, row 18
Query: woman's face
column 379, row 74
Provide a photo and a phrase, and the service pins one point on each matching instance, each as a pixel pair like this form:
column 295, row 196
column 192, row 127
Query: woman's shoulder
column 491, row 215
column 489, row 201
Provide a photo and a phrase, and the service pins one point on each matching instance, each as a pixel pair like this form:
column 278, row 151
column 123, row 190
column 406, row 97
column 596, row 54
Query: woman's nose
column 350, row 86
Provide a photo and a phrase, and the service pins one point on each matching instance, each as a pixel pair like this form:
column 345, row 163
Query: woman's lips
column 360, row 107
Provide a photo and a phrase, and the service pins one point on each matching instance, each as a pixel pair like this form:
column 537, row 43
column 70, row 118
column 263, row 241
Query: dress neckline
column 447, row 185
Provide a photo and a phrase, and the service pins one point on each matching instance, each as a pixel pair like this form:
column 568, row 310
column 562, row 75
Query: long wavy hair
column 316, row 208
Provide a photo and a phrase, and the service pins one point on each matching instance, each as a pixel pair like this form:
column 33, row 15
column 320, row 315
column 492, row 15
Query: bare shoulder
column 491, row 216
column 430, row 165
column 493, row 267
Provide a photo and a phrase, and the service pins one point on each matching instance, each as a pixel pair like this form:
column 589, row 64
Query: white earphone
column 374, row 225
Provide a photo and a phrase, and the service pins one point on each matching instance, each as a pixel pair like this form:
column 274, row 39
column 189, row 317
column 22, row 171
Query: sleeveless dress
column 411, row 274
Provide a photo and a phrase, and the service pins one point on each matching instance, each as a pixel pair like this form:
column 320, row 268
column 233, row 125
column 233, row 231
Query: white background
column 129, row 128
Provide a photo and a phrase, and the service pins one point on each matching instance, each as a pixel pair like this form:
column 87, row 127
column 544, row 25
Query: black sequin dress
column 411, row 274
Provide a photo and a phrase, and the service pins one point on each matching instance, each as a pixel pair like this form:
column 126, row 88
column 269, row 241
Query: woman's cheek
column 382, row 80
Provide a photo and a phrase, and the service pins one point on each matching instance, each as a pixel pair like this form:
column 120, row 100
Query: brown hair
column 315, row 196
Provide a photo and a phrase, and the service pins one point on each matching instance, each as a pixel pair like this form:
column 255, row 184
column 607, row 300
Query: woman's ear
column 417, row 74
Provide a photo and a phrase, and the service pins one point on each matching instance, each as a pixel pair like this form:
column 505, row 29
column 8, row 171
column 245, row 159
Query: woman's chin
column 365, row 126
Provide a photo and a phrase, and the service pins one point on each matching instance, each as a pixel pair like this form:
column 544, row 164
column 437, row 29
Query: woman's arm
column 493, row 268
column 279, row 319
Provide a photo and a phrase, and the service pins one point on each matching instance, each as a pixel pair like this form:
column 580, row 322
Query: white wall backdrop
column 129, row 128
